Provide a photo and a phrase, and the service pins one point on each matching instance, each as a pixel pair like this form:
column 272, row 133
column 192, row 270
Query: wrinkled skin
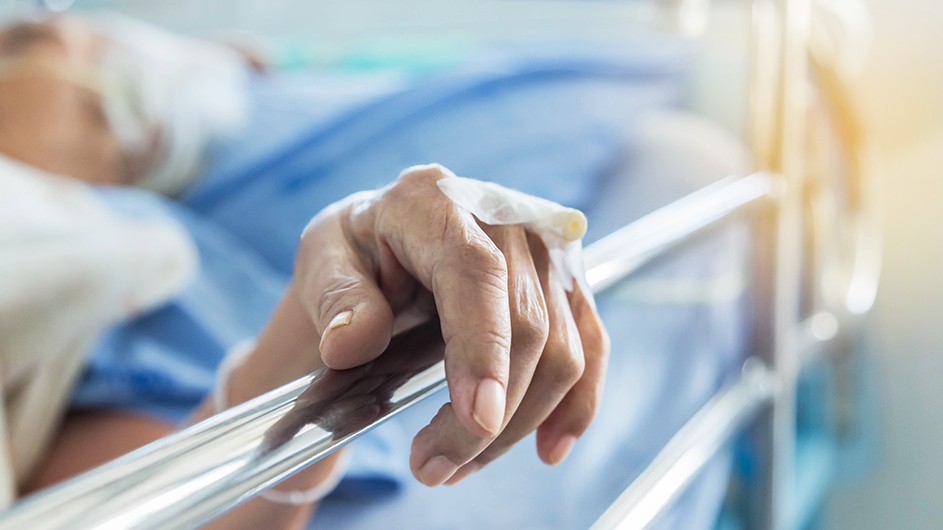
column 522, row 353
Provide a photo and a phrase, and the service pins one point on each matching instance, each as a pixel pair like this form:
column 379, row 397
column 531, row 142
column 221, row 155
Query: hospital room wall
column 902, row 94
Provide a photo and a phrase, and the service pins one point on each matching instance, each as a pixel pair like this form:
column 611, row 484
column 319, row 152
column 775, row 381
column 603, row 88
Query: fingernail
column 488, row 410
column 436, row 470
column 561, row 449
column 462, row 473
column 341, row 319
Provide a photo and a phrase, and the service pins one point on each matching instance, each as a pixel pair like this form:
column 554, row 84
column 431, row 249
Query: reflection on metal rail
column 198, row 473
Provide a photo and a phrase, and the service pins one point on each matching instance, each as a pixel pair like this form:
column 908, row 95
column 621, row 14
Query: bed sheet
column 548, row 125
column 676, row 328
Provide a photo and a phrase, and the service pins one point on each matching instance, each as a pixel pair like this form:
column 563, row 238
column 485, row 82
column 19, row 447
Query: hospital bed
column 814, row 276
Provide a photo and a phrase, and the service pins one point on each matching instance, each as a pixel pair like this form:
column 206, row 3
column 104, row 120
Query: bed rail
column 200, row 472
column 680, row 461
column 204, row 470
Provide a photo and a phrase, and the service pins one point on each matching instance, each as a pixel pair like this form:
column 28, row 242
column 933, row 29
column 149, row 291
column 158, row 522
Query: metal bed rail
column 790, row 334
column 204, row 470
column 721, row 419
column 686, row 454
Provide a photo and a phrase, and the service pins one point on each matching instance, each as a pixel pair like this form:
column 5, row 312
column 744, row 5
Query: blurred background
column 897, row 479
column 902, row 99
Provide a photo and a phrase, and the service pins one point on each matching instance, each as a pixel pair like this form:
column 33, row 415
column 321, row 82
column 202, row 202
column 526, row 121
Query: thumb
column 349, row 311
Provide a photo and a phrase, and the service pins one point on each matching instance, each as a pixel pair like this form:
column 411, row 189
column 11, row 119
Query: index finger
column 471, row 293
column 443, row 247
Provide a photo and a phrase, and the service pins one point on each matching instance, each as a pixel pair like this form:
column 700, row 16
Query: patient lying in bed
column 361, row 262
column 526, row 353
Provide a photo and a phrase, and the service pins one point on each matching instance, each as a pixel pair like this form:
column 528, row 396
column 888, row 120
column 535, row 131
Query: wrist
column 306, row 487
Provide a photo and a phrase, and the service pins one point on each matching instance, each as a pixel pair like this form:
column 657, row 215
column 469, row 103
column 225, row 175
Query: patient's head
column 108, row 99
column 51, row 110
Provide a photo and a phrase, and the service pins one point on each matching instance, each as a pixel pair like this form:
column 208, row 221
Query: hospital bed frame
column 813, row 280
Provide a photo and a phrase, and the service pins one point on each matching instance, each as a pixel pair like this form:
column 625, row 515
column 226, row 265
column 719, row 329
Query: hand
column 522, row 353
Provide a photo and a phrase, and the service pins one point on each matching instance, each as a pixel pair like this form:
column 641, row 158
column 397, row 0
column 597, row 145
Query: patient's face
column 50, row 121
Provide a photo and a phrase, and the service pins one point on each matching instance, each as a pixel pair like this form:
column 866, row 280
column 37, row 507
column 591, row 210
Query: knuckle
column 420, row 177
column 335, row 297
column 583, row 410
column 424, row 173
column 414, row 196
column 468, row 252
column 487, row 339
column 483, row 259
column 564, row 364
column 530, row 329
column 453, row 227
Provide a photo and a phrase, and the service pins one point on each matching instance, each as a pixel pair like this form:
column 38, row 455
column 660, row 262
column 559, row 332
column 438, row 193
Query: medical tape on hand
column 560, row 228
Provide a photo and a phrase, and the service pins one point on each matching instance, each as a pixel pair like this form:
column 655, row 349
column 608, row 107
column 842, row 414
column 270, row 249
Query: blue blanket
column 557, row 127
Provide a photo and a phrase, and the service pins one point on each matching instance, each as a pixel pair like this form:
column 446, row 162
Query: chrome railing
column 200, row 472
column 722, row 418
column 686, row 454
column 204, row 470
column 841, row 284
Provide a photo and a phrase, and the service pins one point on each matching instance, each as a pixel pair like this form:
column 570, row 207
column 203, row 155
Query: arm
column 89, row 439
column 524, row 352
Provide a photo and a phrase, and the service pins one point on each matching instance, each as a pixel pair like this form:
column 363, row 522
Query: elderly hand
column 522, row 353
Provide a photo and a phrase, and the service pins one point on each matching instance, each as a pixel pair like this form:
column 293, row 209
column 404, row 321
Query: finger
column 433, row 462
column 443, row 247
column 557, row 435
column 445, row 442
column 471, row 294
column 336, row 287
column 530, row 323
column 559, row 368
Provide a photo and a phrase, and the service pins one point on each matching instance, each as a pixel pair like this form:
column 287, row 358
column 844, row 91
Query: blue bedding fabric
column 559, row 127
